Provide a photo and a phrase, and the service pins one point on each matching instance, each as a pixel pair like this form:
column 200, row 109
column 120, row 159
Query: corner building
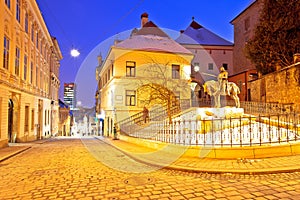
column 29, row 72
column 134, row 68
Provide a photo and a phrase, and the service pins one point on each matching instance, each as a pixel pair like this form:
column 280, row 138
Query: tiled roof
column 152, row 38
column 197, row 34
column 151, row 29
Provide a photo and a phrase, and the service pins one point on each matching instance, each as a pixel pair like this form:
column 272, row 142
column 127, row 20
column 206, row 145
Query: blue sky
column 91, row 26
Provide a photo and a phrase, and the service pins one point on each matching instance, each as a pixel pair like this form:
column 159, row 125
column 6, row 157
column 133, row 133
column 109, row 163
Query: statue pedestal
column 219, row 113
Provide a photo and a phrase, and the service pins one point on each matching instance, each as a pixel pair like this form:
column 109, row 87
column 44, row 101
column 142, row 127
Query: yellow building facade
column 29, row 71
column 146, row 70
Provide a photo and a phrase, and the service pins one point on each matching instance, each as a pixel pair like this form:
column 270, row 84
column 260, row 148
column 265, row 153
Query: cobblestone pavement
column 87, row 168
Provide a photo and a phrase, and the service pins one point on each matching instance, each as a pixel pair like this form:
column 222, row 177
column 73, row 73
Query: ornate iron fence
column 243, row 131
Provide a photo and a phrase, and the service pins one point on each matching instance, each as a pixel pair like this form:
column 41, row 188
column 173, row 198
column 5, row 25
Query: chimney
column 144, row 19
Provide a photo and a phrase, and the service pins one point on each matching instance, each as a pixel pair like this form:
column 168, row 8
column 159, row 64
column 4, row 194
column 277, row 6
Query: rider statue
column 223, row 80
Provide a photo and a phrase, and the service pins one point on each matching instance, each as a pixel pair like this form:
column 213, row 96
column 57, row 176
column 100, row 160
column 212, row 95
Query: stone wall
column 282, row 86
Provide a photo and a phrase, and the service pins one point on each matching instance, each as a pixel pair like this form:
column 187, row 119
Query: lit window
column 17, row 62
column 130, row 97
column 6, row 53
column 175, row 71
column 130, row 68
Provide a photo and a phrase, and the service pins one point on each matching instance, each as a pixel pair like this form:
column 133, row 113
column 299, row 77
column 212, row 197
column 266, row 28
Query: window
column 247, row 24
column 26, row 22
column 26, row 123
column 25, row 67
column 32, row 33
column 36, row 76
column 130, row 68
column 210, row 66
column 225, row 65
column 37, row 40
column 130, row 98
column 6, row 53
column 17, row 62
column 175, row 71
column 7, row 2
column 18, row 11
column 31, row 72
column 240, row 84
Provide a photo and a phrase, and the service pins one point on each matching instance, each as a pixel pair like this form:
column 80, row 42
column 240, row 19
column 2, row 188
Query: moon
column 75, row 53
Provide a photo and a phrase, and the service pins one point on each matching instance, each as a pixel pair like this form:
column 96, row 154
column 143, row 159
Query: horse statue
column 213, row 89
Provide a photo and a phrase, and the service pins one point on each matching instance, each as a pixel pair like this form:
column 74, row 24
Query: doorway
column 10, row 120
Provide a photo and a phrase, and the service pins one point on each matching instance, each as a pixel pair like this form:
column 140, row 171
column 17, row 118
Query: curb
column 14, row 153
column 209, row 171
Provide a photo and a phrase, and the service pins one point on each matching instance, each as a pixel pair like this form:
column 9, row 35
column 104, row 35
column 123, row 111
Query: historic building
column 244, row 26
column 29, row 74
column 210, row 53
column 145, row 70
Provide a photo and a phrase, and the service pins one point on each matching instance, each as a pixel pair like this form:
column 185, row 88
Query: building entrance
column 10, row 120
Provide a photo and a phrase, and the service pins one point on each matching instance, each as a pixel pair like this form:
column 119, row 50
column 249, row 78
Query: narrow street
column 88, row 168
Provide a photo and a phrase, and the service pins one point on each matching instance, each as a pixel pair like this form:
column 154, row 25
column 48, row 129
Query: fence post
column 230, row 131
column 278, row 129
column 241, row 139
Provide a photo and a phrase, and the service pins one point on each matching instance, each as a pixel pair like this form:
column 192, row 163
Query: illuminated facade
column 244, row 25
column 147, row 59
column 70, row 95
column 29, row 74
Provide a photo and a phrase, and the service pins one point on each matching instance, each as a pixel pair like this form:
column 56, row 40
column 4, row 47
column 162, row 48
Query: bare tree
column 161, row 81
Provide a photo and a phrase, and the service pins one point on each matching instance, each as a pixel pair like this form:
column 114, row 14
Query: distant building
column 70, row 95
column 244, row 27
column 148, row 61
column 65, row 119
column 210, row 53
column 29, row 74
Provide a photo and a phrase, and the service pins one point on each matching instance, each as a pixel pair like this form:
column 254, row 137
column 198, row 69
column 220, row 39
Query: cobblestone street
column 66, row 169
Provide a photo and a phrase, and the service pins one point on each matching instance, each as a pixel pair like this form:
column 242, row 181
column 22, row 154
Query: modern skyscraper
column 70, row 95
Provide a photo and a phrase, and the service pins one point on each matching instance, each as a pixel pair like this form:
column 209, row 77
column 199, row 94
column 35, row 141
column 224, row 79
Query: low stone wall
column 282, row 86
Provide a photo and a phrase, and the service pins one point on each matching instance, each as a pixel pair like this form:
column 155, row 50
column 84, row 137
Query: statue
column 222, row 87
column 223, row 81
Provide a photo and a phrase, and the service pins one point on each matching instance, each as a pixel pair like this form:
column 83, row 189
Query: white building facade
column 29, row 74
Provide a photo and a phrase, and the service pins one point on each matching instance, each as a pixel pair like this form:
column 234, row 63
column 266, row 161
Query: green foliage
column 277, row 35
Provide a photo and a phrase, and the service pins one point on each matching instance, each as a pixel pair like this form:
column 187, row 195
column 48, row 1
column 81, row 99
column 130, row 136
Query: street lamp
column 74, row 53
